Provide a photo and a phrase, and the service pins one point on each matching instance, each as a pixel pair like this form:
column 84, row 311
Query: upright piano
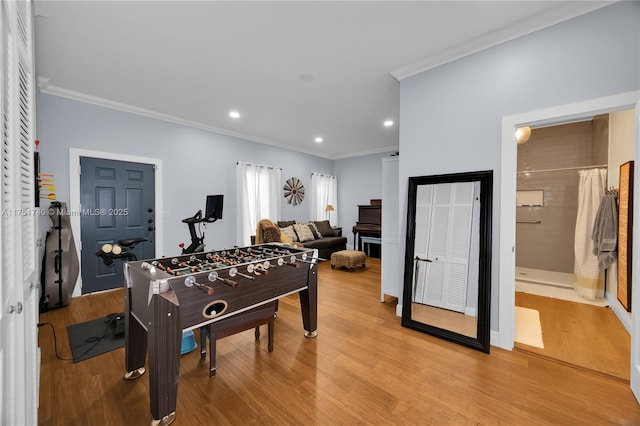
column 369, row 222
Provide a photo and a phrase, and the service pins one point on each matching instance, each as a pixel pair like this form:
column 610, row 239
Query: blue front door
column 117, row 201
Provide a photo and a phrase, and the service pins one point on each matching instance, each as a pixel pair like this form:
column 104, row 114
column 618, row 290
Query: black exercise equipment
column 197, row 241
column 123, row 249
column 213, row 213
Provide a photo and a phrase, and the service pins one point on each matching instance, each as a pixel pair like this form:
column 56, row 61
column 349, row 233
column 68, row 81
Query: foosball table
column 167, row 296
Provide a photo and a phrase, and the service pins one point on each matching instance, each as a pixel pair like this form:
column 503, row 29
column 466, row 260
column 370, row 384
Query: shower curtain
column 588, row 280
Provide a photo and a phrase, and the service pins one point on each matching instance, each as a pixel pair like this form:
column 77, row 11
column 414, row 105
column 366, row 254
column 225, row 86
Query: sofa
column 326, row 239
column 315, row 235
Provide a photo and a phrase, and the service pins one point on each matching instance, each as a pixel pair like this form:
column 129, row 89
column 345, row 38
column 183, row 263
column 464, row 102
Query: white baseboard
column 494, row 340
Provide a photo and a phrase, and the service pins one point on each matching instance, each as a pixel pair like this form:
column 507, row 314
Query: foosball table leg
column 309, row 304
column 203, row 342
column 212, row 355
column 135, row 342
column 164, row 346
column 271, row 328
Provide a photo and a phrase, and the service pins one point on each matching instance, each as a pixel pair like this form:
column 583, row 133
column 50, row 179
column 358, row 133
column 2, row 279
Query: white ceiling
column 192, row 62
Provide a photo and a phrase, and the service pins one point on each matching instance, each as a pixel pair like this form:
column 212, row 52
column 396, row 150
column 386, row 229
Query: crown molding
column 394, row 148
column 45, row 87
column 541, row 20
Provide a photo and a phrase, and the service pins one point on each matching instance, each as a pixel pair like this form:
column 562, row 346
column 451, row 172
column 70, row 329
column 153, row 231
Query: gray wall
column 359, row 181
column 550, row 245
column 451, row 116
column 195, row 162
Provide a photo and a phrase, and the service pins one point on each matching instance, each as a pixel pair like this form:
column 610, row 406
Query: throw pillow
column 303, row 232
column 289, row 232
column 324, row 228
column 316, row 233
column 285, row 223
column 270, row 234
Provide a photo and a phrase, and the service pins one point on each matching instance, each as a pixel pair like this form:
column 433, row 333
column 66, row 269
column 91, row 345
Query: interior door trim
column 559, row 114
column 74, row 195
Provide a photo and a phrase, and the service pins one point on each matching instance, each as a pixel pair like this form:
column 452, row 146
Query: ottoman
column 348, row 258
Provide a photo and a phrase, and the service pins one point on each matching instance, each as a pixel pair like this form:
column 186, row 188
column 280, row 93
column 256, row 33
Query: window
column 324, row 190
column 258, row 189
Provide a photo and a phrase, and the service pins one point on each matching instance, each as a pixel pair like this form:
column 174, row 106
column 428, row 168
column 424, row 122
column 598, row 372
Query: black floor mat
column 92, row 338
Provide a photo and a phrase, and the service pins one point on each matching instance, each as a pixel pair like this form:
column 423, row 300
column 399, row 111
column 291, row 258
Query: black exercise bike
column 197, row 241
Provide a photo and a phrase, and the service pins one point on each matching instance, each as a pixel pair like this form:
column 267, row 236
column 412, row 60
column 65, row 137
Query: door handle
column 424, row 260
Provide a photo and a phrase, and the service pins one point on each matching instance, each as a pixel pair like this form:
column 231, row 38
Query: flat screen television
column 213, row 209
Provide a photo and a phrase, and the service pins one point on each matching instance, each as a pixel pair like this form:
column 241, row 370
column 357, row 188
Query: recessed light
column 234, row 114
column 388, row 123
column 318, row 139
column 307, row 78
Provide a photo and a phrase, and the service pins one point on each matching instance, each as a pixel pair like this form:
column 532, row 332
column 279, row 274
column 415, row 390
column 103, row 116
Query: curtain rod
column 565, row 169
column 257, row 165
column 320, row 174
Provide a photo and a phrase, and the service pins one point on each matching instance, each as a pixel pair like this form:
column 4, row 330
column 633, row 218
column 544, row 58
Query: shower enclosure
column 549, row 168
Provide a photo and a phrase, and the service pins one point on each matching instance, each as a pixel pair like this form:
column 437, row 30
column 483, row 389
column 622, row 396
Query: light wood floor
column 583, row 335
column 363, row 368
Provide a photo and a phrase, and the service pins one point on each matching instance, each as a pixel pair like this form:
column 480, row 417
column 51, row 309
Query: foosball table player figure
column 168, row 296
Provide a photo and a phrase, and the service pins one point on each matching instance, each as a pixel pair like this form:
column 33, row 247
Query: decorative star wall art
column 294, row 191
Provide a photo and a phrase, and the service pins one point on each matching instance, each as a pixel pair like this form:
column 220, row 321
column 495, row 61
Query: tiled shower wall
column 549, row 245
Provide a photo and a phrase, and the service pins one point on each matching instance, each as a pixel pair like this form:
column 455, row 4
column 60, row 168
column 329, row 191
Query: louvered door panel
column 7, row 221
column 424, row 202
column 443, row 237
column 25, row 168
column 460, row 238
column 18, row 266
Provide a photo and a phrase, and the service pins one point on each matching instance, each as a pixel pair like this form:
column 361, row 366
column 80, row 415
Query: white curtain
column 325, row 192
column 588, row 280
column 258, row 189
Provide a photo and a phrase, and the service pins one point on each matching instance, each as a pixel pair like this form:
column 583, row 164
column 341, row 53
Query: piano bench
column 348, row 258
column 367, row 241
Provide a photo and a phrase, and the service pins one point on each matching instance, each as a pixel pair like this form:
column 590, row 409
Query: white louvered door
column 424, row 211
column 18, row 317
column 443, row 237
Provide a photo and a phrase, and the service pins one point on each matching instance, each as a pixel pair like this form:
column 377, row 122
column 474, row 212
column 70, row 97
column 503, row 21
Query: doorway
column 75, row 204
column 552, row 245
column 507, row 214
column 118, row 202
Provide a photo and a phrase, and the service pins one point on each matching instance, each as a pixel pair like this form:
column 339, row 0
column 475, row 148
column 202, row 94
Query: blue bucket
column 188, row 342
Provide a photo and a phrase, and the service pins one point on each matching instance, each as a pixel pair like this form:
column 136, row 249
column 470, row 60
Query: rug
column 93, row 338
column 528, row 328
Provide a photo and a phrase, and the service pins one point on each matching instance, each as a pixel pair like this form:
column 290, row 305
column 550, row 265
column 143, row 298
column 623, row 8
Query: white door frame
column 74, row 196
column 549, row 116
